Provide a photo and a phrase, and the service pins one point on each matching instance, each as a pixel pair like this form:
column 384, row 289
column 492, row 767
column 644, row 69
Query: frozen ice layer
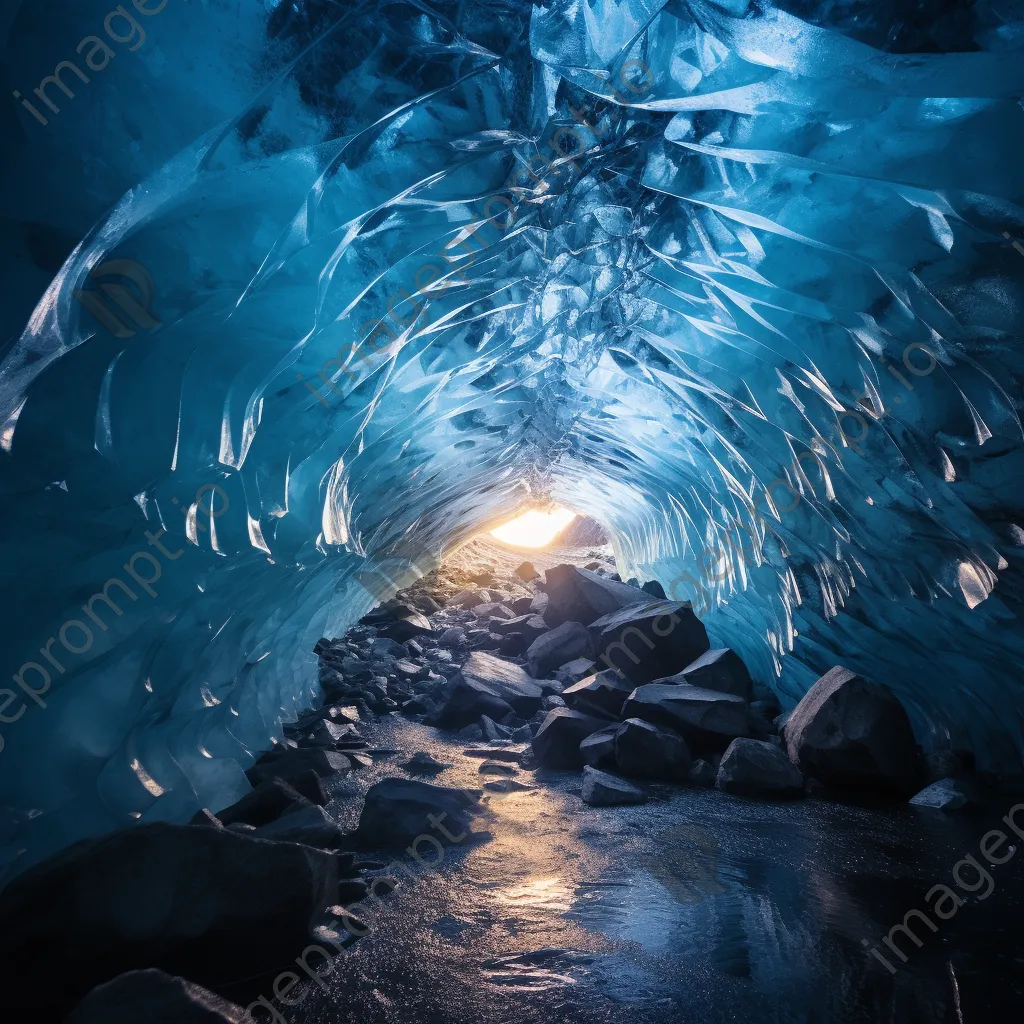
column 302, row 295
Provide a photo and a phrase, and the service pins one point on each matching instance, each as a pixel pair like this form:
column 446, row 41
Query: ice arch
column 740, row 281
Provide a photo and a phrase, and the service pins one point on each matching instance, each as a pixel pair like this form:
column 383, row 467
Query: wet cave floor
column 696, row 907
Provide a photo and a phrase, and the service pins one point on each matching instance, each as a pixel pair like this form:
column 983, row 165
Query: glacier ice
column 741, row 281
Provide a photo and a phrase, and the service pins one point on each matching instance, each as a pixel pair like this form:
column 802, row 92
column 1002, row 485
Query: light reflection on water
column 699, row 908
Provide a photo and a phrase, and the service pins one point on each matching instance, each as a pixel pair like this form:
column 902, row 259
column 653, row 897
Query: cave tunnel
column 302, row 297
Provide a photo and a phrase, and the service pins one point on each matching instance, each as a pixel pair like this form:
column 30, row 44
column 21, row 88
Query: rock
column 205, row 816
column 386, row 646
column 539, row 604
column 945, row 795
column 422, row 763
column 216, row 906
column 426, row 604
column 575, row 670
column 849, row 732
column 397, row 811
column 493, row 731
column 311, row 825
column 644, row 751
column 564, row 643
column 493, row 609
column 291, row 763
column 453, row 636
column 485, row 577
column 467, row 599
column 155, row 998
column 513, row 645
column 598, row 749
column 579, row 595
column 492, row 767
column 522, row 605
column 754, row 768
column 603, row 692
column 944, row 764
column 532, row 626
column 410, row 623
column 408, row 669
column 655, row 589
column 721, row 670
column 269, row 800
column 603, row 790
column 702, row 773
column 513, row 753
column 507, row 786
column 490, row 686
column 527, row 572
column 706, row 719
column 557, row 742
column 649, row 641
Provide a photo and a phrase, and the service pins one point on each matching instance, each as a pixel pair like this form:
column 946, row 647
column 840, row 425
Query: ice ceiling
column 741, row 281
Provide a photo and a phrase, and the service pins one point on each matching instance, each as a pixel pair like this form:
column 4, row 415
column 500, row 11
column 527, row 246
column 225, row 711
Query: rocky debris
column 564, row 643
column 557, row 742
column 397, row 811
column 269, row 800
column 492, row 767
column 489, row 686
column 156, row 998
column 453, row 636
column 468, row 599
column 721, row 669
column 649, row 641
column 644, row 751
column 422, row 763
column 579, row 595
column 702, row 773
column 527, row 572
column 575, row 670
column 706, row 719
column 603, row 790
column 513, row 645
column 755, row 768
column 945, row 795
column 404, row 623
column 539, row 605
column 602, row 693
column 182, row 898
column 493, row 609
column 289, row 763
column 531, row 626
column 522, row 605
column 311, row 825
column 849, row 732
column 598, row 749
column 655, row 589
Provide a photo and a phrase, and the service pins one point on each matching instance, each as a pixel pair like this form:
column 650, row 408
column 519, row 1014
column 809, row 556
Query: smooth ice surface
column 742, row 282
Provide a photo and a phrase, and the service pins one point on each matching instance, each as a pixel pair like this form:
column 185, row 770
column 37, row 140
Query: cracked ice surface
column 733, row 279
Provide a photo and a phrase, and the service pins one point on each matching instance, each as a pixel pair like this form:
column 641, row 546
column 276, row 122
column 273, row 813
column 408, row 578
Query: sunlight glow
column 534, row 529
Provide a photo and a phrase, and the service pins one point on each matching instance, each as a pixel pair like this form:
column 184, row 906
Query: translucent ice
column 326, row 289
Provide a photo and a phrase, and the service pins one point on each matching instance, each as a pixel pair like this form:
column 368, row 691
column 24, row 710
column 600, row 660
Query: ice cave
column 304, row 298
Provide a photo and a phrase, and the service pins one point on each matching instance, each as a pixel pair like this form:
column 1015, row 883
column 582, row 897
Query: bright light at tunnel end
column 534, row 529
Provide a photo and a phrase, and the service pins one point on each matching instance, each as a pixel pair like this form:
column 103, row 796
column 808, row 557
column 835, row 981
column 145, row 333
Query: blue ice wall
column 298, row 295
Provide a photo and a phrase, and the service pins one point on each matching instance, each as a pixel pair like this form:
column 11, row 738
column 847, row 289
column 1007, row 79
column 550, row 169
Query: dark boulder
column 945, row 795
column 645, row 751
column 579, row 595
column 397, row 811
column 848, row 732
column 566, row 642
column 408, row 624
column 702, row 773
column 269, row 800
column 557, row 742
column 604, row 692
column 706, row 719
column 598, row 749
column 289, row 763
column 153, row 997
column 649, row 641
column 527, row 572
column 603, row 790
column 759, row 769
column 655, row 589
column 722, row 670
column 575, row 670
column 311, row 825
column 489, row 686
column 212, row 905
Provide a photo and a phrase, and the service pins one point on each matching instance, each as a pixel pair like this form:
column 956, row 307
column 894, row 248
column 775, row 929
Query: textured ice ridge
column 742, row 282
